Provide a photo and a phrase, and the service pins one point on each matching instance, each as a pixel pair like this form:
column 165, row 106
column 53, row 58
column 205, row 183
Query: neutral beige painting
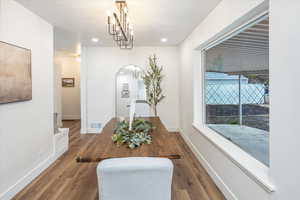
column 15, row 73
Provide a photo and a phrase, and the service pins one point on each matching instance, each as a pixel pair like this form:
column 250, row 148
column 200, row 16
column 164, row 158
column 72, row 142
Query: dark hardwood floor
column 67, row 180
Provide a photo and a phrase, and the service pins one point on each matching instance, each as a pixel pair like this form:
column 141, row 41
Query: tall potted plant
column 152, row 79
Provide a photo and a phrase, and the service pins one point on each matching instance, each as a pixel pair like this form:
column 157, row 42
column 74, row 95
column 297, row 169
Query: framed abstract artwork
column 15, row 73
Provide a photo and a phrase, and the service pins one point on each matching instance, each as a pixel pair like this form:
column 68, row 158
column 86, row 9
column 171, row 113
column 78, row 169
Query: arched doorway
column 130, row 85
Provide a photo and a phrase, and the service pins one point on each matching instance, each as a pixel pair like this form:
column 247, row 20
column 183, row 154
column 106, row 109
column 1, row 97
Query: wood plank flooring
column 67, row 180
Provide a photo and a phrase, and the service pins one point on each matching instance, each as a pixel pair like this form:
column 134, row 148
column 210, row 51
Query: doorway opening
column 129, row 86
column 67, row 88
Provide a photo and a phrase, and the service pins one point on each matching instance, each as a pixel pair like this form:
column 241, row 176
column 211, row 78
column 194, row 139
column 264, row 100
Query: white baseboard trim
column 90, row 130
column 210, row 170
column 25, row 180
column 83, row 131
column 173, row 129
column 60, row 145
column 94, row 131
column 70, row 117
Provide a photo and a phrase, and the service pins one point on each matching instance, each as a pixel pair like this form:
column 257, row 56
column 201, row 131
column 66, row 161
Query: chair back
column 135, row 178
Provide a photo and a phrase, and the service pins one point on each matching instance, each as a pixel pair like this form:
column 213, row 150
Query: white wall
column 26, row 128
column 231, row 178
column 70, row 96
column 57, row 89
column 285, row 98
column 102, row 64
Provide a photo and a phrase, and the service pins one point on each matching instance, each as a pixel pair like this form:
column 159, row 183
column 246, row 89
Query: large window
column 237, row 89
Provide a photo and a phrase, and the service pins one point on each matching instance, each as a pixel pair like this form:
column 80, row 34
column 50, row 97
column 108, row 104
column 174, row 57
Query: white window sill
column 254, row 169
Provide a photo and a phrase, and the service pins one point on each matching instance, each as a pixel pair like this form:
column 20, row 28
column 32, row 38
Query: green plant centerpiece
column 138, row 135
column 152, row 80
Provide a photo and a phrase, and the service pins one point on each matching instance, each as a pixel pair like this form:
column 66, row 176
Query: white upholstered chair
column 135, row 178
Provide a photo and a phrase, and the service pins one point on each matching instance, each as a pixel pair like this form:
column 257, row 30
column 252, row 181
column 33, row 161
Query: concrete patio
column 252, row 140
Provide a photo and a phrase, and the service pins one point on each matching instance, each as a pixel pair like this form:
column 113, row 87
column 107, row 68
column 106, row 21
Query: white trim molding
column 212, row 173
column 25, row 180
column 173, row 129
column 83, row 91
column 94, row 131
column 71, row 117
column 61, row 145
column 254, row 169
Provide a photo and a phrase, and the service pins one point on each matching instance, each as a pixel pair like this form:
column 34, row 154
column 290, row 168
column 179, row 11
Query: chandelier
column 119, row 26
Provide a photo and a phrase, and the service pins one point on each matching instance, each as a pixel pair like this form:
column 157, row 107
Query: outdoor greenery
column 233, row 122
column 140, row 133
column 152, row 79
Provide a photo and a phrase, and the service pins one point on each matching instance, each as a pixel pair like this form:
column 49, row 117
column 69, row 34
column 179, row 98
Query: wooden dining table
column 102, row 147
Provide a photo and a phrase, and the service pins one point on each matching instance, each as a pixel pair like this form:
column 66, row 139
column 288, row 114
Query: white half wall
column 230, row 177
column 99, row 67
column 26, row 128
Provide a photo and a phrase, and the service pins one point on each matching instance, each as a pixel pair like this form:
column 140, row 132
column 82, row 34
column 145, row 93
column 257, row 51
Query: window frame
column 213, row 44
column 253, row 168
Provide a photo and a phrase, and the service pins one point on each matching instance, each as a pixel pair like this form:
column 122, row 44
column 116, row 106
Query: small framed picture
column 125, row 94
column 125, row 91
column 68, row 82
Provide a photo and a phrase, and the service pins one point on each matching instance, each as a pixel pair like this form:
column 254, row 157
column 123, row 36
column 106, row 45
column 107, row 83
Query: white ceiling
column 80, row 20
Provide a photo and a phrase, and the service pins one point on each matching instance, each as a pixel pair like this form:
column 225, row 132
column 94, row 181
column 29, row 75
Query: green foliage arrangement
column 133, row 138
column 152, row 80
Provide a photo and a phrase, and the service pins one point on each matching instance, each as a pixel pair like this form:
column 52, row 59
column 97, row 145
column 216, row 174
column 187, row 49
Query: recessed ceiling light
column 164, row 39
column 95, row 40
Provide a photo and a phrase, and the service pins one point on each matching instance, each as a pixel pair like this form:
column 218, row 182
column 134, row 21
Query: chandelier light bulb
column 113, row 20
column 125, row 10
column 108, row 13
